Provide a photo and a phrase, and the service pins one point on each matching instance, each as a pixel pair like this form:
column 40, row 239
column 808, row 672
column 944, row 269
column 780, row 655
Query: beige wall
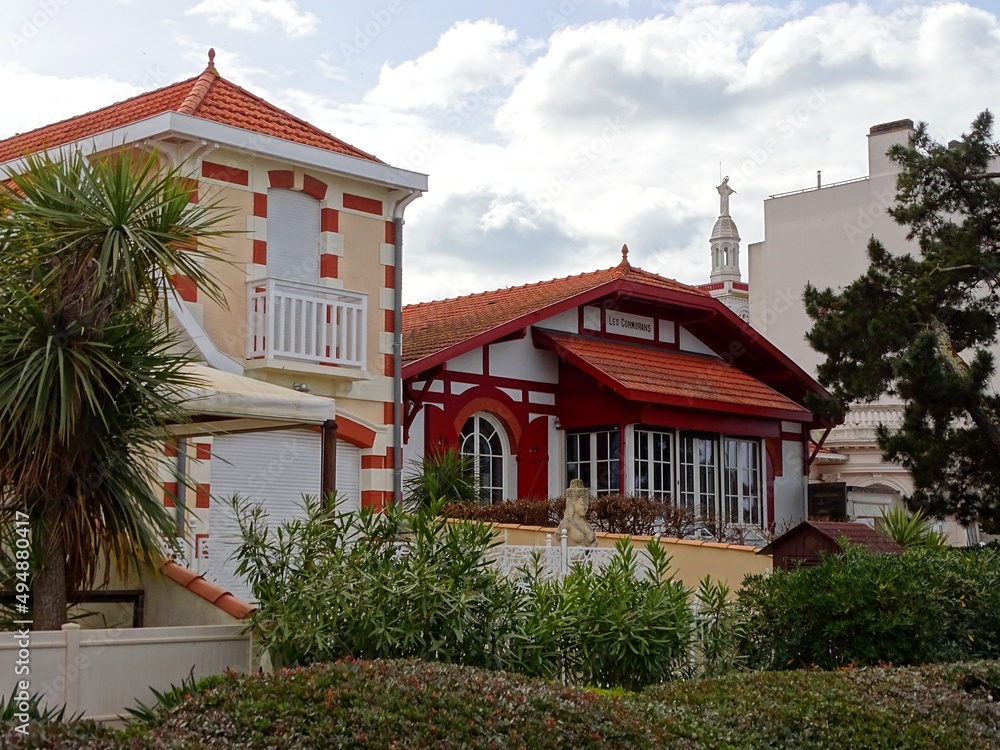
column 691, row 560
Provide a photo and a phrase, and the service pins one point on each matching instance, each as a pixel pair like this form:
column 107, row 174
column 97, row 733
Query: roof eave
column 418, row 366
column 221, row 135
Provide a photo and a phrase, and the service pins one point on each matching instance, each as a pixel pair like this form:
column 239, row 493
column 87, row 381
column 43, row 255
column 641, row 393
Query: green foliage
column 392, row 585
column 338, row 584
column 617, row 514
column 720, row 630
column 922, row 328
column 444, row 475
column 863, row 609
column 910, row 529
column 395, row 704
column 88, row 373
column 37, row 713
column 165, row 701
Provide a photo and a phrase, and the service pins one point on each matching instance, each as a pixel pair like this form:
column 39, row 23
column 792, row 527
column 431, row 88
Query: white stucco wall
column 521, row 360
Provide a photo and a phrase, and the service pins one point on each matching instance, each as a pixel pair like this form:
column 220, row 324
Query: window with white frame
column 653, row 458
column 743, row 499
column 482, row 440
column 698, row 486
column 593, row 457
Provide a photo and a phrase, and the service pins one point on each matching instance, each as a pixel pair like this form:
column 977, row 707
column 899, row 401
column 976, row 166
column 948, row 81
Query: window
column 653, row 464
column 593, row 457
column 482, row 440
column 699, row 469
column 743, row 503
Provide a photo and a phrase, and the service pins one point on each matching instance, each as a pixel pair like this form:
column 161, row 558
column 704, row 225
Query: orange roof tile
column 666, row 374
column 208, row 96
column 216, row 595
column 430, row 327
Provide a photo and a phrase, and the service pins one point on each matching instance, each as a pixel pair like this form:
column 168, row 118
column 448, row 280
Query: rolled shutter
column 293, row 229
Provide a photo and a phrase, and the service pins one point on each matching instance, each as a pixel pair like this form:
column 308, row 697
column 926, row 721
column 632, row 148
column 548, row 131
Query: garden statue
column 574, row 522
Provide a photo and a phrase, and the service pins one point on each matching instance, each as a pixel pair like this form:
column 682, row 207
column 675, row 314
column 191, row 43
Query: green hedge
column 411, row 704
column 857, row 608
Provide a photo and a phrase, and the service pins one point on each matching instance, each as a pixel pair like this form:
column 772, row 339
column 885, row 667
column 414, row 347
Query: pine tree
column 921, row 326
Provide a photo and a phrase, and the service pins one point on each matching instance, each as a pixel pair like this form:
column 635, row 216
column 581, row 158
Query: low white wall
column 100, row 673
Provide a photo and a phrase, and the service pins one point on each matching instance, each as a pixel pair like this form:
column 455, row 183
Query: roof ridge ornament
column 211, row 59
column 625, row 263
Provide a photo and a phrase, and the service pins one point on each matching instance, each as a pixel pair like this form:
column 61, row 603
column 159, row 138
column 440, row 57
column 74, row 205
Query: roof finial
column 625, row 255
column 211, row 58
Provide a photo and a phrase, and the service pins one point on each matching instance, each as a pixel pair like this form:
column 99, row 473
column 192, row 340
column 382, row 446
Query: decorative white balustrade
column 862, row 420
column 306, row 322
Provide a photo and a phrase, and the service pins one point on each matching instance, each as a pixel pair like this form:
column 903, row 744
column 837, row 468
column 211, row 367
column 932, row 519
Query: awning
column 666, row 376
column 223, row 394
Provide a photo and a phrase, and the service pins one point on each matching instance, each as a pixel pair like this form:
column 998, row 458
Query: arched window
column 482, row 439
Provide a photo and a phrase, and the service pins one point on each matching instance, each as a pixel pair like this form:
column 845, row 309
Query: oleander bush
column 411, row 704
column 397, row 585
column 858, row 608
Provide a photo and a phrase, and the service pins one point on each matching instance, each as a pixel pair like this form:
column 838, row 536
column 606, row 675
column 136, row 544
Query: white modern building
column 820, row 235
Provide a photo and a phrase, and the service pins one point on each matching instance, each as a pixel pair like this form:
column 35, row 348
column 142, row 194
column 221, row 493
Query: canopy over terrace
column 223, row 403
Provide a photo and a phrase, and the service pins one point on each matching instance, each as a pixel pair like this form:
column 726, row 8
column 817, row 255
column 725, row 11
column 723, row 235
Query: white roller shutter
column 293, row 229
column 348, row 476
column 275, row 469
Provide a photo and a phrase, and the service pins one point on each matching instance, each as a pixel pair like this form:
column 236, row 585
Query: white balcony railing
column 306, row 322
column 862, row 420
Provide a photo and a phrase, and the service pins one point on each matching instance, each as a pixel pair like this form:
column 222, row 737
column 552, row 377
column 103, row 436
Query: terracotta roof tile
column 211, row 593
column 656, row 372
column 857, row 533
column 208, row 96
column 430, row 327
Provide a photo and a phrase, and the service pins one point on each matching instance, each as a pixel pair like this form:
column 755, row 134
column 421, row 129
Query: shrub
column 396, row 704
column 444, row 475
column 910, row 529
column 616, row 514
column 335, row 585
column 859, row 608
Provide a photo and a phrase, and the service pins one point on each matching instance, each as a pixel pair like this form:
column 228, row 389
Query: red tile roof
column 208, row 96
column 666, row 375
column 207, row 591
column 855, row 533
column 430, row 327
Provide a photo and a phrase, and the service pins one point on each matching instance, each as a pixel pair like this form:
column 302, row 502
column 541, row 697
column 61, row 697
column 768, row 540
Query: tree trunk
column 985, row 418
column 49, row 595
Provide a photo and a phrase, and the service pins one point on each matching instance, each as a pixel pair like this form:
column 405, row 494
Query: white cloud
column 469, row 57
column 53, row 98
column 255, row 15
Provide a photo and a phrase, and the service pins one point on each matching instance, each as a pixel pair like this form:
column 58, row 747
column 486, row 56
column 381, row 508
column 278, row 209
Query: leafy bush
column 859, row 608
column 616, row 514
column 442, row 475
column 610, row 627
column 910, row 529
column 342, row 584
column 334, row 585
column 395, row 704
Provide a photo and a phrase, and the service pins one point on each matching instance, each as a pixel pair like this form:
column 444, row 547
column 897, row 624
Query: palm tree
column 89, row 372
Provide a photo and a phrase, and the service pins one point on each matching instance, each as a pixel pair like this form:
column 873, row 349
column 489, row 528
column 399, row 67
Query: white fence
column 100, row 673
column 556, row 560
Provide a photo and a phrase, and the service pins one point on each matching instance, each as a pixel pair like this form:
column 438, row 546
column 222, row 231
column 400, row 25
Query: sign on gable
column 626, row 324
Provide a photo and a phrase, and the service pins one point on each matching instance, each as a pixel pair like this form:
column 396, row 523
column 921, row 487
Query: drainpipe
column 397, row 346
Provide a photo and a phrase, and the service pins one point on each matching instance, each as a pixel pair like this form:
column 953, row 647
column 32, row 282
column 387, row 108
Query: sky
column 553, row 131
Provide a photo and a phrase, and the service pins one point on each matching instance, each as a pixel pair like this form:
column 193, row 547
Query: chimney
column 880, row 139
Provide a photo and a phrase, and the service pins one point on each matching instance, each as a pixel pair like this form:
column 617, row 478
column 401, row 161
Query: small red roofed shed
column 806, row 543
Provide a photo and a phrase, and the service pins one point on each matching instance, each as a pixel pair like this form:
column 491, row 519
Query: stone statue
column 724, row 192
column 578, row 533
